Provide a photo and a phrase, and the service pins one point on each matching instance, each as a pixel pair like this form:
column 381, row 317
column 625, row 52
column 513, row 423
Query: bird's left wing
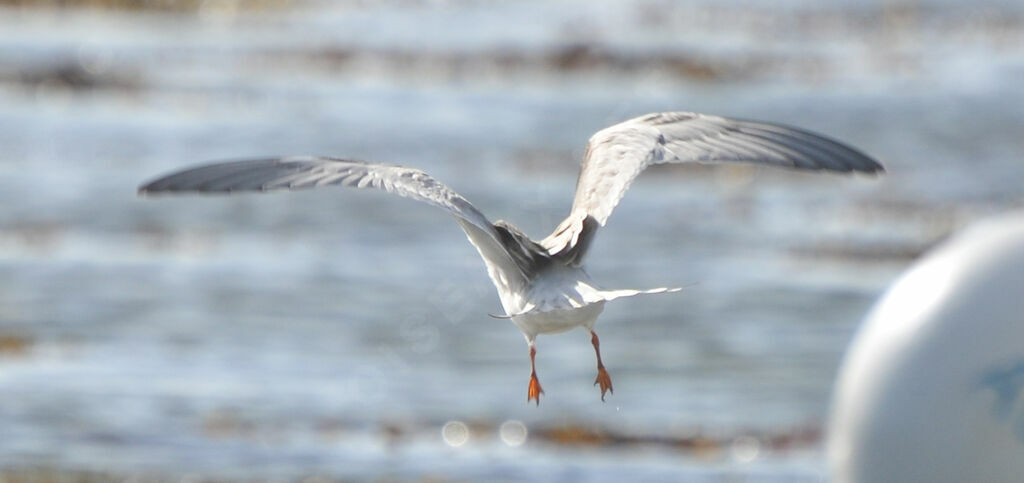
column 303, row 172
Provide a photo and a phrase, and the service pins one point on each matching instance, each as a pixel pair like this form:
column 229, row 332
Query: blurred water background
column 335, row 333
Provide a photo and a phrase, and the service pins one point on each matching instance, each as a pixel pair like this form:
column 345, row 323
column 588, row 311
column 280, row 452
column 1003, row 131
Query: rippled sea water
column 345, row 334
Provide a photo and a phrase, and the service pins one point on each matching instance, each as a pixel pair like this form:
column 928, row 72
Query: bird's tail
column 590, row 296
column 628, row 292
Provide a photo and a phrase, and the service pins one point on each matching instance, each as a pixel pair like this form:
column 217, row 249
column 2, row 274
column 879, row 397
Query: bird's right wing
column 617, row 154
column 303, row 172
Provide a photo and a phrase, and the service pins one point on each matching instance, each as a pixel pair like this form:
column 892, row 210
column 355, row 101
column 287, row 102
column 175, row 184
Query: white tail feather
column 600, row 295
column 614, row 294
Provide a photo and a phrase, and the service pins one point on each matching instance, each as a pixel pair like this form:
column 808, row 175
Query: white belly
column 558, row 320
column 558, row 300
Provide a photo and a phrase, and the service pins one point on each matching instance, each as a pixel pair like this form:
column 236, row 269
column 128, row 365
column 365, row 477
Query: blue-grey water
column 335, row 333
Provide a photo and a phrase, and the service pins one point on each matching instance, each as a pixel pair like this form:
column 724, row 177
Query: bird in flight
column 542, row 284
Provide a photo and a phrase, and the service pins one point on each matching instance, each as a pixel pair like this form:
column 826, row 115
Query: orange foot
column 534, row 391
column 605, row 381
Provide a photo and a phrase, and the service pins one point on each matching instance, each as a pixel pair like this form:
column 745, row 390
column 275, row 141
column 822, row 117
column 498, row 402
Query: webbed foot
column 534, row 391
column 604, row 380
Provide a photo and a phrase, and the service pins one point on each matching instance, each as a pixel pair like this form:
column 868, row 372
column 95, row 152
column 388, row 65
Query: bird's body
column 542, row 285
column 555, row 321
column 541, row 310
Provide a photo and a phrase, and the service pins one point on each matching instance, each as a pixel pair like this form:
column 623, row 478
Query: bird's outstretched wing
column 617, row 154
column 303, row 172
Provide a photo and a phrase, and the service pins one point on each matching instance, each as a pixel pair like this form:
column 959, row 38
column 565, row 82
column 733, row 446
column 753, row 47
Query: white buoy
column 932, row 388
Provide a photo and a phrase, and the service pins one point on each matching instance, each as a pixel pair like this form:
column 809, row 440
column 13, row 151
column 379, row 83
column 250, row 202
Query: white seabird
column 542, row 285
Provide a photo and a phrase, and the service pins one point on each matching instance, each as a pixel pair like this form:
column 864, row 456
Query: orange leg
column 534, row 391
column 602, row 375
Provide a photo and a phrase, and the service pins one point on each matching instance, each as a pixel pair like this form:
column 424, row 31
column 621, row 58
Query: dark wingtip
column 866, row 164
column 147, row 189
column 862, row 163
column 874, row 168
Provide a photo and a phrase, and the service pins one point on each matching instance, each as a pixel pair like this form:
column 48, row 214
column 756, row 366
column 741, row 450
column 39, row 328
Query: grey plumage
column 613, row 158
column 304, row 172
column 617, row 154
